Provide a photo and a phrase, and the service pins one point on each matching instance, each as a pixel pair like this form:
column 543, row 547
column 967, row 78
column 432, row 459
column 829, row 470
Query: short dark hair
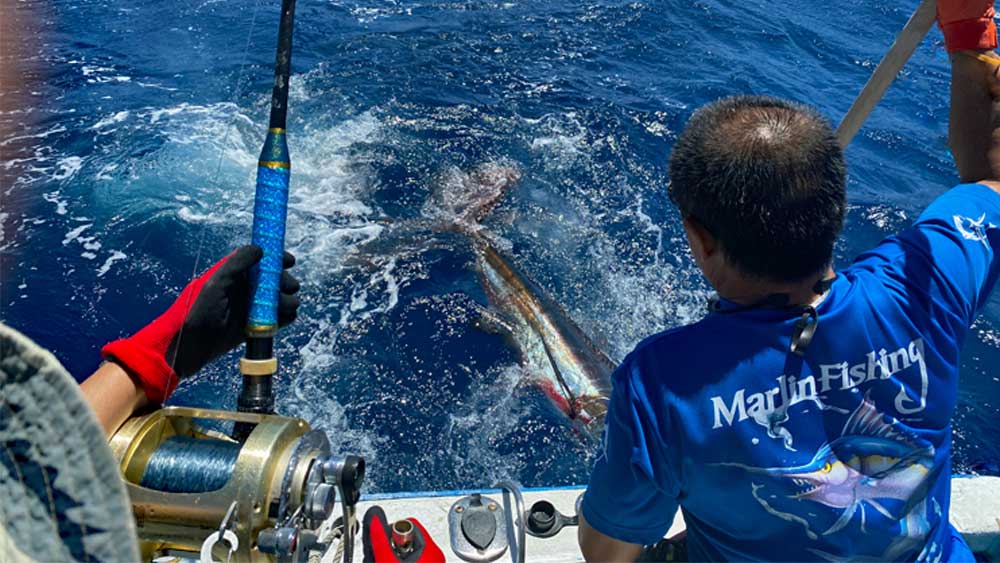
column 766, row 178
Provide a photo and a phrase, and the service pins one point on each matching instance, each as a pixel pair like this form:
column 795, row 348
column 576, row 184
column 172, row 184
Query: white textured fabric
column 63, row 497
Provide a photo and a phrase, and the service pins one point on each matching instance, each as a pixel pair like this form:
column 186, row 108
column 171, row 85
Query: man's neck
column 749, row 292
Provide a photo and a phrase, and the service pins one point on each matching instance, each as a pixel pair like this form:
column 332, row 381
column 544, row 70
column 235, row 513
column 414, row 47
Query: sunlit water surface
column 129, row 148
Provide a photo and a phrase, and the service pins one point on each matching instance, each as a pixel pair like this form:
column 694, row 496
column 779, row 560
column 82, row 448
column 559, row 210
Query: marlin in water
column 574, row 372
column 871, row 462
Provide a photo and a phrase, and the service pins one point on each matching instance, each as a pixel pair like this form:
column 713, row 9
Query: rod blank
column 902, row 49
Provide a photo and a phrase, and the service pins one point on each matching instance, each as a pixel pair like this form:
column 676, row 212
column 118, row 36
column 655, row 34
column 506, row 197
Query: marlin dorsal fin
column 866, row 420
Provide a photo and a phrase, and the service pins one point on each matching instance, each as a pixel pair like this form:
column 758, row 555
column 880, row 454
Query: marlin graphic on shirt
column 870, row 463
column 973, row 229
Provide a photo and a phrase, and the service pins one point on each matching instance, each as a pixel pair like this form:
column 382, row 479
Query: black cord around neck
column 805, row 326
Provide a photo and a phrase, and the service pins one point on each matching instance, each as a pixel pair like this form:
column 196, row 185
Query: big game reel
column 194, row 489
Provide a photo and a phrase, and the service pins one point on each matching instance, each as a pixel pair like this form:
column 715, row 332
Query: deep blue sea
column 129, row 138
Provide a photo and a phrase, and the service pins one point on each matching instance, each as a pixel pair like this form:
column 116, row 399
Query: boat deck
column 975, row 511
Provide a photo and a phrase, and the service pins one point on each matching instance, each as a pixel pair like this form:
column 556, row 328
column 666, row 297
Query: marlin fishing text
column 878, row 365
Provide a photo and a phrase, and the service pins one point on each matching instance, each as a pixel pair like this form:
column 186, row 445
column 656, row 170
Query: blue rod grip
column 269, row 212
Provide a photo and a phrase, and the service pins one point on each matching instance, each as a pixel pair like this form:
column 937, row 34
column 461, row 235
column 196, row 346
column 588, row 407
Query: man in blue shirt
column 807, row 416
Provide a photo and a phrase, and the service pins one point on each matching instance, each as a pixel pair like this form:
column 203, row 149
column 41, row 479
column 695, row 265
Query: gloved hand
column 378, row 544
column 967, row 24
column 207, row 320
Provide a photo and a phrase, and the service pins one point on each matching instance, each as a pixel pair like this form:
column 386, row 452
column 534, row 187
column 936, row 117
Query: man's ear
column 703, row 244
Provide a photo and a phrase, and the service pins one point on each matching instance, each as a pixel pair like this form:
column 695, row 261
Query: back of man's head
column 766, row 178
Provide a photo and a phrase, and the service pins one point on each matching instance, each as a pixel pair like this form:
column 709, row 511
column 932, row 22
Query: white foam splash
column 74, row 233
column 885, row 217
column 52, row 131
column 462, row 197
column 649, row 226
column 157, row 86
column 316, row 353
column 366, row 15
column 188, row 215
column 104, row 174
column 112, row 119
column 91, row 70
column 491, row 414
column 68, row 167
column 562, row 139
column 116, row 255
column 54, row 198
column 329, row 212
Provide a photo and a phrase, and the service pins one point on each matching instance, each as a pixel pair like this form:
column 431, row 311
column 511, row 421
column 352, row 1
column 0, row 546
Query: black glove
column 206, row 321
column 217, row 321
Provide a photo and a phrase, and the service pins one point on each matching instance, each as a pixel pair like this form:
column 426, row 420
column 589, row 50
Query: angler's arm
column 951, row 254
column 113, row 395
column 596, row 546
column 206, row 321
column 974, row 123
column 631, row 498
column 970, row 36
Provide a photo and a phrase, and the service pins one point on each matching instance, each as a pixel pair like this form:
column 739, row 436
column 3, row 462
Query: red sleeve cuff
column 974, row 34
column 158, row 379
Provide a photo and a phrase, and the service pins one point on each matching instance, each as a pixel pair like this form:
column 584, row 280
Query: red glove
column 378, row 545
column 967, row 24
column 207, row 320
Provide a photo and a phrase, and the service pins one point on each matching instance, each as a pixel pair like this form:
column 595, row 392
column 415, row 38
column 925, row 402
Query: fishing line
column 218, row 167
column 183, row 464
column 225, row 138
column 570, row 397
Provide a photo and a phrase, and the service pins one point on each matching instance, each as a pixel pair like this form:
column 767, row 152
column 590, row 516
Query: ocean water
column 129, row 134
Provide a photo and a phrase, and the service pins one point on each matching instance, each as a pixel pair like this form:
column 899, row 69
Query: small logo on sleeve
column 973, row 229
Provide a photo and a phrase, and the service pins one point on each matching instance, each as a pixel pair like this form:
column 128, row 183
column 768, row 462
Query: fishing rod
column 259, row 364
column 885, row 73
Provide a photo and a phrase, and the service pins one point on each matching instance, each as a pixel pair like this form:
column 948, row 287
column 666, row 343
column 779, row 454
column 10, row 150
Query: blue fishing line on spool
column 183, row 464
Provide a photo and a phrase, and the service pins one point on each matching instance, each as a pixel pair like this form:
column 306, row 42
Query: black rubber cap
column 542, row 517
column 479, row 526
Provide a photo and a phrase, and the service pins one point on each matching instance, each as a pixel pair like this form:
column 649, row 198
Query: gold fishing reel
column 194, row 489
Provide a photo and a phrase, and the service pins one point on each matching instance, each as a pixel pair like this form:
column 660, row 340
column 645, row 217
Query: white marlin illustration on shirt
column 973, row 229
column 870, row 463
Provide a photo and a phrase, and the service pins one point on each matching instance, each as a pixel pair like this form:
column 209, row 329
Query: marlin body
column 571, row 369
column 576, row 375
column 870, row 463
